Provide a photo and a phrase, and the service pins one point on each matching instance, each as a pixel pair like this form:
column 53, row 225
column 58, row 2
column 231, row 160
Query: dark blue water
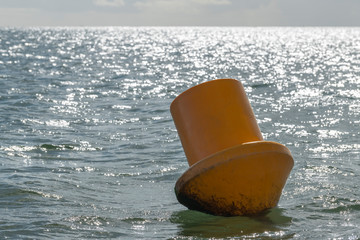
column 88, row 148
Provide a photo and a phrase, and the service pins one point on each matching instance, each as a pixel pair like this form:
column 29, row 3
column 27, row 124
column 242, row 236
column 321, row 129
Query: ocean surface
column 88, row 148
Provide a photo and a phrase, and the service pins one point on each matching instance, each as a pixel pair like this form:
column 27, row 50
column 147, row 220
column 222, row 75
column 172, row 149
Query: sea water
column 88, row 148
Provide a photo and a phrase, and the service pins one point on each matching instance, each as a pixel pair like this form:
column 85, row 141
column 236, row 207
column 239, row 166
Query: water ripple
column 89, row 149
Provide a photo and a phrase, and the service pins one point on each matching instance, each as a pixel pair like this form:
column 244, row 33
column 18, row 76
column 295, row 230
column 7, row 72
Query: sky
column 23, row 13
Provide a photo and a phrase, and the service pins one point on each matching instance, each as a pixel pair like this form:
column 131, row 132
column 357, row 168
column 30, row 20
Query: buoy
column 233, row 171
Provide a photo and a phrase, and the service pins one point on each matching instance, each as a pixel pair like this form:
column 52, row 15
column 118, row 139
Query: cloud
column 173, row 8
column 211, row 2
column 179, row 13
column 260, row 13
column 320, row 12
column 176, row 4
column 17, row 16
column 109, row 3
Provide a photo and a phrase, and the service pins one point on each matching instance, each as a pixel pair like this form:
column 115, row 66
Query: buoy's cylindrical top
column 212, row 117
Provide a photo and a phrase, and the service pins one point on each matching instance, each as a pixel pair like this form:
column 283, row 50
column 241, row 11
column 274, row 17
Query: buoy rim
column 238, row 151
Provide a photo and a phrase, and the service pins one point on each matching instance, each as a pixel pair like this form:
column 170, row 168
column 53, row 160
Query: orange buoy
column 233, row 171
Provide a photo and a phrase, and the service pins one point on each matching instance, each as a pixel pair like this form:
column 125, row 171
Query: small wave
column 76, row 147
column 260, row 85
column 340, row 209
column 57, row 147
column 24, row 195
column 89, row 220
column 51, row 147
column 333, row 204
column 133, row 220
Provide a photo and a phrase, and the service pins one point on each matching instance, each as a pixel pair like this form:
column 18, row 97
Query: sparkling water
column 88, row 148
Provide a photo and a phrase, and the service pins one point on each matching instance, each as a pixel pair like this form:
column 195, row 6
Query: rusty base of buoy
column 243, row 180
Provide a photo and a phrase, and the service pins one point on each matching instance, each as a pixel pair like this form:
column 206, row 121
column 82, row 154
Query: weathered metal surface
column 244, row 180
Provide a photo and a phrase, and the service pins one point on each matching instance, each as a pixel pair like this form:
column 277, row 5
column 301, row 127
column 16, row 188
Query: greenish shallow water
column 88, row 148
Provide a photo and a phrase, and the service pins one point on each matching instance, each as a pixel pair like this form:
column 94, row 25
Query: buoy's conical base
column 243, row 180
